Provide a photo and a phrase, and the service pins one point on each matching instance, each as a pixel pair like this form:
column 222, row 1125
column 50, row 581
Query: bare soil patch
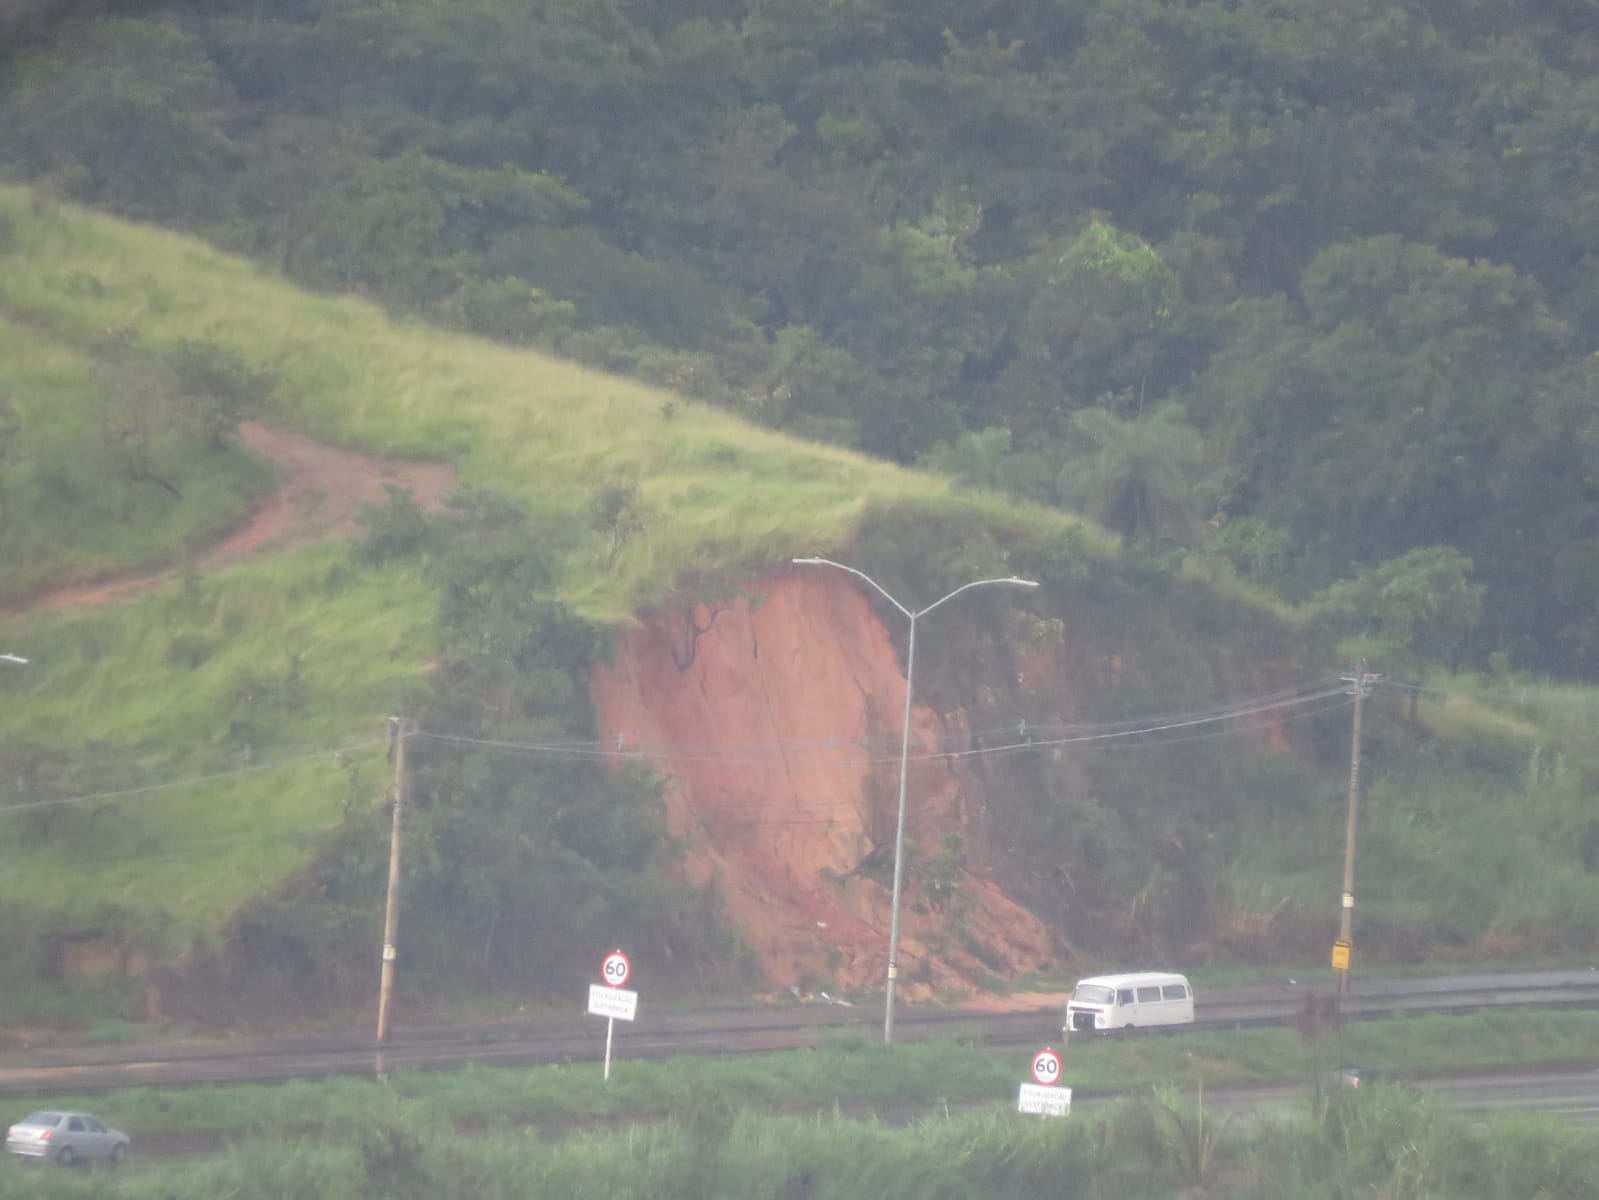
column 321, row 490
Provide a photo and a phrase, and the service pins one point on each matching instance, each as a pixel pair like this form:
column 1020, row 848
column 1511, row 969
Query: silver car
column 66, row 1138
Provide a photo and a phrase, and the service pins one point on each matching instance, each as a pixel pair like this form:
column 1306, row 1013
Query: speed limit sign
column 616, row 968
column 1046, row 1067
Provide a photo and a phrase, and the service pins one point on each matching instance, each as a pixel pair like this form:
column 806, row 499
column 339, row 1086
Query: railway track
column 663, row 1034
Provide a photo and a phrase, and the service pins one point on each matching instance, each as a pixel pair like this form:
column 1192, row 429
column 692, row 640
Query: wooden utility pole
column 392, row 906
column 1359, row 684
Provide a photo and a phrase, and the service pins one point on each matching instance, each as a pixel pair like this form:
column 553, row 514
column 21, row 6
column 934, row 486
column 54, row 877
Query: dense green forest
column 1311, row 285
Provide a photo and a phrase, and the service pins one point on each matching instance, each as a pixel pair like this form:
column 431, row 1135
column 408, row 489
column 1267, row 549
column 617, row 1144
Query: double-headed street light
column 904, row 758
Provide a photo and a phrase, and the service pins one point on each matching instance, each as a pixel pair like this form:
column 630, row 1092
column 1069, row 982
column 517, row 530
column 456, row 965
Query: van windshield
column 1093, row 993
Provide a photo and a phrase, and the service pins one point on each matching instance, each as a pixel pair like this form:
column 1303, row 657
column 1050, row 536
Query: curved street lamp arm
column 881, row 591
column 1027, row 583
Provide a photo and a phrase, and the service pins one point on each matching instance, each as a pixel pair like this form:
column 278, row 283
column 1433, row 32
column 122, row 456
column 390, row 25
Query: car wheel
column 119, row 1152
column 65, row 1157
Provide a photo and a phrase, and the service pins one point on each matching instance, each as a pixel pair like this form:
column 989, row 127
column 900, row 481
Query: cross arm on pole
column 877, row 587
column 1010, row 579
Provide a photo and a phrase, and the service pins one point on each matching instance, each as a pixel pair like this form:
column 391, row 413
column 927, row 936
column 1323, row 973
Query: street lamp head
column 14, row 658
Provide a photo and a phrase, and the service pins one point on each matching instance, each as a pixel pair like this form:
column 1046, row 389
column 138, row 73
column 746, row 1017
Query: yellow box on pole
column 1340, row 955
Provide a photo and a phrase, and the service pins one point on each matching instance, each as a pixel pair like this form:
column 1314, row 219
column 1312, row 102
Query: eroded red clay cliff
column 778, row 722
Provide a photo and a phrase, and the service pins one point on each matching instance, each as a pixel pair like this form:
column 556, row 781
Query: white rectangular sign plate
column 612, row 1002
column 1044, row 1101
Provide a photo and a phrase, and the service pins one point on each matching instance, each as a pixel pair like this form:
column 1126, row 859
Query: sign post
column 1042, row 1097
column 610, row 1000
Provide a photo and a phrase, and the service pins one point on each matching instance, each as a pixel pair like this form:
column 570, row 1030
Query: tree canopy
column 1325, row 272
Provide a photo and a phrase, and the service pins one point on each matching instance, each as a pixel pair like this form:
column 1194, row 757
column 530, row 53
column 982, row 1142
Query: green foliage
column 216, row 389
column 1376, row 1141
column 993, row 219
column 1356, row 257
column 1143, row 478
column 1414, row 610
column 396, row 529
column 113, row 455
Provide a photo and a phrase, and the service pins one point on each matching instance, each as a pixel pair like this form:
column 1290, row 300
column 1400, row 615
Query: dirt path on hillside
column 320, row 491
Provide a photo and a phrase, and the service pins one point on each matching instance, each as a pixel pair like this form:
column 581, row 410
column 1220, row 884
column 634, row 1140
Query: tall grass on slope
column 713, row 494
column 219, row 706
column 67, row 510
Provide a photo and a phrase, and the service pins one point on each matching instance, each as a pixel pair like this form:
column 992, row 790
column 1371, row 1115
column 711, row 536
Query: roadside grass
column 1377, row 1143
column 859, row 1078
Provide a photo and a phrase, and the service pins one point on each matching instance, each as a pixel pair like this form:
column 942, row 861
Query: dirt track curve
column 320, row 491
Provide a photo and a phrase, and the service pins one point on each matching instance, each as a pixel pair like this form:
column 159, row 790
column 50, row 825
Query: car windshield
column 42, row 1118
column 1093, row 993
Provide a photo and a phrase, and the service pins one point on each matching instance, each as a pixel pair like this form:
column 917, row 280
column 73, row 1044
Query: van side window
column 1148, row 995
column 1176, row 991
column 1124, row 996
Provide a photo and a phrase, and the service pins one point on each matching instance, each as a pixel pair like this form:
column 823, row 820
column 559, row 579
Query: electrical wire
column 192, row 781
column 1114, row 731
column 1071, row 735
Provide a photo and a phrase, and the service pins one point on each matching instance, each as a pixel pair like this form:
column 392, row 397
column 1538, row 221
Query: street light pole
column 391, row 908
column 1360, row 685
column 904, row 758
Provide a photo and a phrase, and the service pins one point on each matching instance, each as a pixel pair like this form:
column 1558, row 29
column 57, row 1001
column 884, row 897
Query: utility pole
column 391, row 908
column 1360, row 684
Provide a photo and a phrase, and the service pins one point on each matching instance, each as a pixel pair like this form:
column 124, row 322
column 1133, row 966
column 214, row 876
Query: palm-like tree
column 1144, row 478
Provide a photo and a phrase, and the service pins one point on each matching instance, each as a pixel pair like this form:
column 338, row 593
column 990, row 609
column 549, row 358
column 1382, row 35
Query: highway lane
column 663, row 1032
column 1570, row 1095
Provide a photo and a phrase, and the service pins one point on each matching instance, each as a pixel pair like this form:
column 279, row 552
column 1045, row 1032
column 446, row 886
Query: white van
column 1128, row 1001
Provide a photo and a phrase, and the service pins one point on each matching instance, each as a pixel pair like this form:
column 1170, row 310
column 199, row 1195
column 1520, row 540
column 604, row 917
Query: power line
column 787, row 747
column 1085, row 734
column 175, row 784
column 784, row 752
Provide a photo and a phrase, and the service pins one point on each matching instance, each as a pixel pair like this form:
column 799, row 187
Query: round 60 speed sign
column 1046, row 1067
column 616, row 968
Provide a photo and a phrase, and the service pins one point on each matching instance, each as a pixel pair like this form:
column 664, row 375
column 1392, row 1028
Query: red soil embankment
column 779, row 723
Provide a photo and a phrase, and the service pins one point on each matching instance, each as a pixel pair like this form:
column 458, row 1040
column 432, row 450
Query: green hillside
column 284, row 657
column 1295, row 303
column 266, row 681
column 716, row 494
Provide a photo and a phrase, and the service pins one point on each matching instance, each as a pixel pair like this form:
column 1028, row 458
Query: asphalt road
column 1570, row 1095
column 660, row 1033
